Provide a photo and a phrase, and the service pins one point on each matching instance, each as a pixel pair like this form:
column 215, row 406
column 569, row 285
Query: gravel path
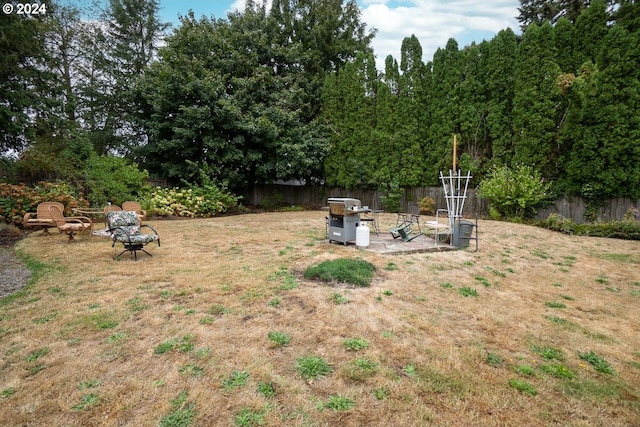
column 13, row 273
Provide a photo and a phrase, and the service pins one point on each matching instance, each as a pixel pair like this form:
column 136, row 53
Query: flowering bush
column 18, row 199
column 191, row 202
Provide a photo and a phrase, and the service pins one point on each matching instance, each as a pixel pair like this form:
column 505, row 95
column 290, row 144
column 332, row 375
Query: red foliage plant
column 18, row 199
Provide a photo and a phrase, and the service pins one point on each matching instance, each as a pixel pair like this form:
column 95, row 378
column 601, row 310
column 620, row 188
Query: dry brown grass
column 224, row 283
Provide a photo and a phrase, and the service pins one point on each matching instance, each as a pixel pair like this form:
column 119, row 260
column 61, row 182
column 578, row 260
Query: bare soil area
column 13, row 273
column 536, row 328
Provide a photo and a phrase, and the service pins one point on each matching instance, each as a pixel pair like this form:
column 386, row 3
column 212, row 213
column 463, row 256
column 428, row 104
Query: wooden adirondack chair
column 70, row 225
column 135, row 207
column 41, row 219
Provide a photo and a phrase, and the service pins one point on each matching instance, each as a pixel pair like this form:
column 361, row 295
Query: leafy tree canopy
column 240, row 95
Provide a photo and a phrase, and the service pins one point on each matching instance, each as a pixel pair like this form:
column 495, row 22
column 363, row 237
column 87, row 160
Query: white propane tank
column 362, row 235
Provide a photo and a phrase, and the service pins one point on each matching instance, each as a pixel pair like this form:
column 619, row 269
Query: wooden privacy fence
column 317, row 196
column 573, row 208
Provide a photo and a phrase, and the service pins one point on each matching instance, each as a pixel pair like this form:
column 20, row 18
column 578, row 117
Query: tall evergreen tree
column 444, row 110
column 628, row 15
column 540, row 11
column 384, row 138
column 250, row 106
column 605, row 131
column 63, row 46
column 565, row 33
column 350, row 111
column 536, row 99
column 134, row 33
column 23, row 77
column 474, row 144
column 410, row 132
column 329, row 33
column 590, row 31
column 500, row 81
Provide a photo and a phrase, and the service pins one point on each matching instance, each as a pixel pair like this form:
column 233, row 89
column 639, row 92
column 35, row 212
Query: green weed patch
column 356, row 272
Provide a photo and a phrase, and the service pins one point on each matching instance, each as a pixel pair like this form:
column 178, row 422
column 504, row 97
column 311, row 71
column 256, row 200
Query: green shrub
column 114, row 179
column 427, row 205
column 628, row 230
column 392, row 197
column 514, row 193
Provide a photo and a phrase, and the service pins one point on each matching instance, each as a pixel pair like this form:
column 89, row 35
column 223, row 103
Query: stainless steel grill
column 344, row 217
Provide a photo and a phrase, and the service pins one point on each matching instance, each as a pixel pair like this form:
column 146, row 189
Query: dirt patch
column 14, row 275
column 9, row 235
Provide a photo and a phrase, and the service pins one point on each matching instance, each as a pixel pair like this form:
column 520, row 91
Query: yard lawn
column 536, row 328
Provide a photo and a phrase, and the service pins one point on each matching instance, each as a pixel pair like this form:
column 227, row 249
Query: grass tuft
column 555, row 304
column 523, row 386
column 494, row 359
column 183, row 345
column 466, row 291
column 339, row 299
column 278, row 339
column 86, row 402
column 598, row 363
column 381, row 393
column 339, row 403
column 192, row 370
column 525, row 370
column 548, row 353
column 557, row 370
column 360, row 369
column 356, row 272
column 249, row 418
column 182, row 413
column 237, row 379
column 35, row 355
column 311, row 367
column 355, row 344
column 267, row 389
column 8, row 392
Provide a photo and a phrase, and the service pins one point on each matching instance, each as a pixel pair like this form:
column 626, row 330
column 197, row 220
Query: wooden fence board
column 573, row 208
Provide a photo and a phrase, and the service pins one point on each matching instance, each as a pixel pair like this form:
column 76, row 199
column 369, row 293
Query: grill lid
column 343, row 205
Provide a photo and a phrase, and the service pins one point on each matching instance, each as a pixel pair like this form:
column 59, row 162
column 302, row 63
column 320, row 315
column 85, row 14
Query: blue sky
column 170, row 9
column 434, row 22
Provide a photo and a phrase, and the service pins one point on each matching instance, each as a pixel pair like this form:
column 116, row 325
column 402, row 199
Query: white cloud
column 434, row 22
column 239, row 5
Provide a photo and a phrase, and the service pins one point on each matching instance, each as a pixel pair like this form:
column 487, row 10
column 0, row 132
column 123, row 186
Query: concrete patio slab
column 384, row 243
